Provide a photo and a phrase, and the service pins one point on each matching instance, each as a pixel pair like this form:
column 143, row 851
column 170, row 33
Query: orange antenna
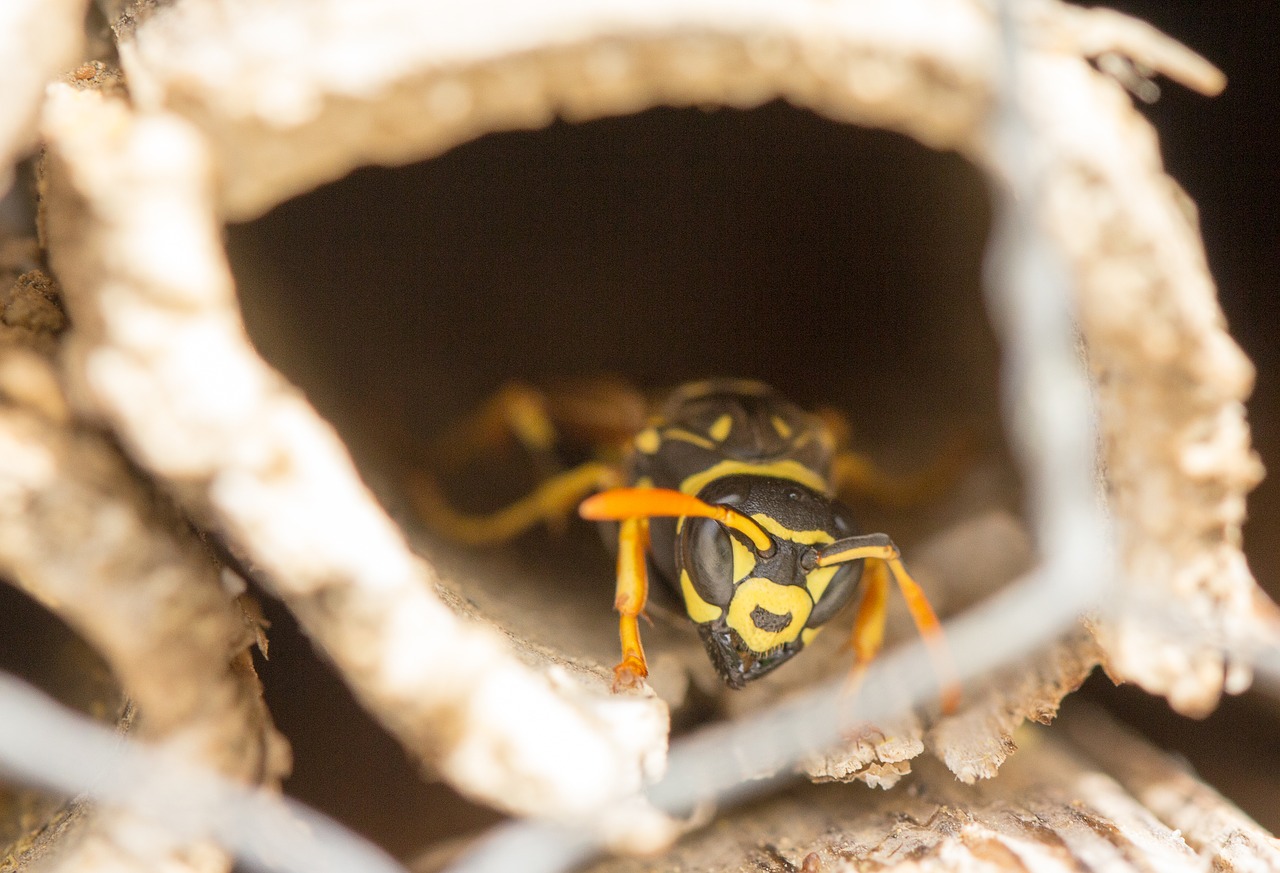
column 618, row 504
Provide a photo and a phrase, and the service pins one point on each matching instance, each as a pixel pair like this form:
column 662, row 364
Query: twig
column 1097, row 32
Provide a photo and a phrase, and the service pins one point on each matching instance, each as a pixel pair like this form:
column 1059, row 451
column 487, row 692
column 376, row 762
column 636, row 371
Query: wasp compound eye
column 706, row 554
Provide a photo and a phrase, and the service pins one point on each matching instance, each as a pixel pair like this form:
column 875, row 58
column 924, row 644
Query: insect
column 726, row 495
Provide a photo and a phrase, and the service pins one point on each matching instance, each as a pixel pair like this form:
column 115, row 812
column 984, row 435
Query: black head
column 756, row 608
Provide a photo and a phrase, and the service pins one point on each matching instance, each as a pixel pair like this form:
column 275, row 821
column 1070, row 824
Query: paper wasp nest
column 230, row 109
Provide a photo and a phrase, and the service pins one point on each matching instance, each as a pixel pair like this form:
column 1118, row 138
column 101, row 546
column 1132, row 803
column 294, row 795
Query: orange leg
column 930, row 628
column 633, row 591
column 516, row 411
column 868, row 625
column 603, row 412
column 600, row 411
column 855, row 475
column 882, row 556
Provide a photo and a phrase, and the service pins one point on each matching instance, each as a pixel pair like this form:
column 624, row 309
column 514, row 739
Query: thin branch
column 1098, row 32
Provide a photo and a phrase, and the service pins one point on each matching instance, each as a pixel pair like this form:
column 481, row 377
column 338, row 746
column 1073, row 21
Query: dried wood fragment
column 1225, row 838
column 38, row 40
column 82, row 535
column 1054, row 807
column 160, row 354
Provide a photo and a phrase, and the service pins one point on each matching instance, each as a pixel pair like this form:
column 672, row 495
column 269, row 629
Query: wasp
column 727, row 496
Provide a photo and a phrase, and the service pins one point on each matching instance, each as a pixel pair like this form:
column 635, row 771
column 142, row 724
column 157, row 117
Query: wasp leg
column 878, row 549
column 633, row 591
column 600, row 411
column 868, row 625
column 854, row 474
column 550, row 503
column 516, row 412
column 926, row 621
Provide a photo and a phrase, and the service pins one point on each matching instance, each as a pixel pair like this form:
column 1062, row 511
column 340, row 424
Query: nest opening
column 838, row 263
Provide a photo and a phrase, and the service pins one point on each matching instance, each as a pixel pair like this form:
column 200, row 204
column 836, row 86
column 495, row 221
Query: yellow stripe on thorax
column 648, row 441
column 720, row 428
column 687, row 436
column 789, row 469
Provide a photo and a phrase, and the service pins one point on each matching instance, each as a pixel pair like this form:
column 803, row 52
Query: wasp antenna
column 857, row 548
column 618, row 504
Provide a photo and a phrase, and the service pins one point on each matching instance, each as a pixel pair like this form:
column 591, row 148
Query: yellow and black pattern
column 717, row 427
column 727, row 498
column 739, row 443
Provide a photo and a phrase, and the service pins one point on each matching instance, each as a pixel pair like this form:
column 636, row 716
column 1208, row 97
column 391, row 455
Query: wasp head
column 757, row 607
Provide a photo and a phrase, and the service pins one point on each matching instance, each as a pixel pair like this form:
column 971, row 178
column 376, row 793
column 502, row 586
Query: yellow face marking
column 818, row 580
column 778, row 600
column 807, row 635
column 648, row 441
column 720, row 428
column 697, row 608
column 685, row 436
column 784, row 430
column 803, row 537
column 744, row 560
column 789, row 469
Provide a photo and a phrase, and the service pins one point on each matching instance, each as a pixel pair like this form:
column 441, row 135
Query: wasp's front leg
column 868, row 624
column 632, row 593
column 882, row 560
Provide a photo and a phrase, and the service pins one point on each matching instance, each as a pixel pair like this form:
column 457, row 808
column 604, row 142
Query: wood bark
column 1086, row 794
